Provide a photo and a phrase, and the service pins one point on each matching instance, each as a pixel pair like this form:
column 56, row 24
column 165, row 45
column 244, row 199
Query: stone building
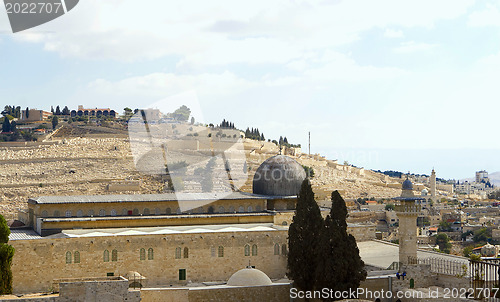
column 34, row 115
column 112, row 235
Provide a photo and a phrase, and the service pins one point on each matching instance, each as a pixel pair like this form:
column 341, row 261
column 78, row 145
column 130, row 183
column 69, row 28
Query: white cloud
column 486, row 17
column 392, row 33
column 412, row 46
column 224, row 32
column 159, row 85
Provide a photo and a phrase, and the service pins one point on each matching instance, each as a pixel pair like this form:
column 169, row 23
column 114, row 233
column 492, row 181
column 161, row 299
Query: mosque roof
column 189, row 229
column 212, row 196
column 279, row 175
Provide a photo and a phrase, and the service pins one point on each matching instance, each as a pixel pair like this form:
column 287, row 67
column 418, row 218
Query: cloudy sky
column 382, row 84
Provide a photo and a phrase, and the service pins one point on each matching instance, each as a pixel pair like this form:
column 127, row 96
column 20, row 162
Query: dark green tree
column 6, row 255
column 66, row 111
column 339, row 266
column 303, row 237
column 58, row 110
column 443, row 241
column 13, row 126
column 55, row 121
column 6, row 125
column 27, row 112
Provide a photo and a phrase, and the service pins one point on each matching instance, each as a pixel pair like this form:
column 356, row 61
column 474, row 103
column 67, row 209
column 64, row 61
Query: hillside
column 81, row 162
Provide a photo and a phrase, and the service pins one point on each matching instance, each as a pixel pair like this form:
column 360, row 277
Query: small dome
column 279, row 175
column 425, row 192
column 407, row 185
column 249, row 277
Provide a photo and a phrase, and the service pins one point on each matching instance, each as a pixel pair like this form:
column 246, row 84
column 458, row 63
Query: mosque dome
column 279, row 175
column 249, row 277
column 424, row 192
column 407, row 185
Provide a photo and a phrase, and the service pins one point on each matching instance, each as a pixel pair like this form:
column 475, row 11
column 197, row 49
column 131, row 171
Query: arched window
column 105, row 256
column 231, row 209
column 258, row 209
column 124, row 212
column 178, row 253
column 91, row 213
column 113, row 212
column 45, row 213
column 169, row 211
column 221, row 209
column 79, row 213
column 276, row 249
column 221, row 251
column 68, row 257
column 284, row 223
column 284, row 250
column 212, row 251
column 254, row 250
column 135, row 212
column 56, row 214
column 146, row 211
column 241, row 209
column 77, row 257
column 157, row 211
column 211, row 210
column 186, row 252
column 102, row 212
column 142, row 254
column 114, row 255
column 247, row 250
column 150, row 253
column 250, row 209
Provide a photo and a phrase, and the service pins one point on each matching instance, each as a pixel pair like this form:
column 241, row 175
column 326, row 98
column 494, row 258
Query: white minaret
column 433, row 186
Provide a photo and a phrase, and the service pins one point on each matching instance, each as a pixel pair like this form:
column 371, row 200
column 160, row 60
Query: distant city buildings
column 481, row 186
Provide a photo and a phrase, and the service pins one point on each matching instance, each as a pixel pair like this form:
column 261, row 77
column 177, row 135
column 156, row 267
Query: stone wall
column 38, row 262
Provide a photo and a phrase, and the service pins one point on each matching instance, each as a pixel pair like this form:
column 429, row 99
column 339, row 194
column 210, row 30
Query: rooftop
column 212, row 196
column 23, row 234
column 382, row 254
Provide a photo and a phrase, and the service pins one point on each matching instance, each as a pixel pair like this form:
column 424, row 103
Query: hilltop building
column 92, row 112
column 34, row 115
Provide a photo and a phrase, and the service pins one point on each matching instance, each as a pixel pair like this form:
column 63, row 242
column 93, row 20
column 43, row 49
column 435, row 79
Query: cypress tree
column 58, row 110
column 27, row 112
column 6, row 255
column 302, row 239
column 6, row 124
column 339, row 265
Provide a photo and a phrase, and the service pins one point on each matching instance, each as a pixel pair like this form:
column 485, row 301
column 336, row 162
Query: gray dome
column 279, row 175
column 407, row 185
column 249, row 277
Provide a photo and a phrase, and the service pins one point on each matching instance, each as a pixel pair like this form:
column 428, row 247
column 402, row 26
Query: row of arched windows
column 114, row 255
column 157, row 211
column 247, row 250
column 69, row 257
column 142, row 254
column 284, row 250
column 179, row 253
